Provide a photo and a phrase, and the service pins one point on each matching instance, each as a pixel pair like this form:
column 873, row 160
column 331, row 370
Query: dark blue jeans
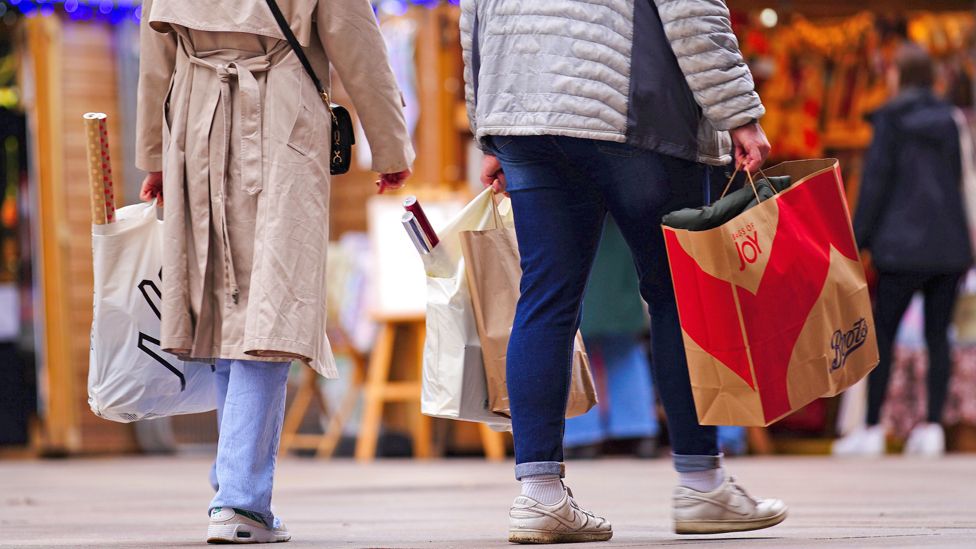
column 562, row 189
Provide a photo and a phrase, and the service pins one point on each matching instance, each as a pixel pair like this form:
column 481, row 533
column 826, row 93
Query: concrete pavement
column 162, row 502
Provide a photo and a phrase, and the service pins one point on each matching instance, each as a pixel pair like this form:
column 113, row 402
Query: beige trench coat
column 227, row 114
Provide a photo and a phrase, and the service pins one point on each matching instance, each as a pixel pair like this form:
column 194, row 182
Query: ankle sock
column 546, row 489
column 702, row 481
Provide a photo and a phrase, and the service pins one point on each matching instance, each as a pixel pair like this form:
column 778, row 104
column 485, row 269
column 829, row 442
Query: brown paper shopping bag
column 773, row 304
column 493, row 272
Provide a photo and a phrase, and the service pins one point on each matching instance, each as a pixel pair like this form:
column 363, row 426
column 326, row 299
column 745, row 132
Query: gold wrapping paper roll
column 99, row 169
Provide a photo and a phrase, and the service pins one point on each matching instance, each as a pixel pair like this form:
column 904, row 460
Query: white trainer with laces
column 727, row 508
column 864, row 442
column 530, row 521
column 229, row 525
column 926, row 440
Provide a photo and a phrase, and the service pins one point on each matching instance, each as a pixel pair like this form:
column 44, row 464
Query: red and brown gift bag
column 773, row 304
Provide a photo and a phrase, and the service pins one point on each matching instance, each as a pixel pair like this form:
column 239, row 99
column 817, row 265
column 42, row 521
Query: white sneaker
column 926, row 440
column 727, row 508
column 869, row 441
column 229, row 525
column 563, row 522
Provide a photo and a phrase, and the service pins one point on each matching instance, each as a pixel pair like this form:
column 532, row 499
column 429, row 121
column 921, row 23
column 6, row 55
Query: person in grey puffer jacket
column 586, row 108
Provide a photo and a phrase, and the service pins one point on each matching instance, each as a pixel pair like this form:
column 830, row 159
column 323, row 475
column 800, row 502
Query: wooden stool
column 493, row 443
column 760, row 443
column 309, row 393
column 379, row 391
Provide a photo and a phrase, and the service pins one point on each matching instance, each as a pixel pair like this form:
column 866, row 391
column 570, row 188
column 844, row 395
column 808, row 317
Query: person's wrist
column 750, row 123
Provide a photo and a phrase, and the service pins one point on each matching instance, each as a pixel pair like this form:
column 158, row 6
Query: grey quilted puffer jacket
column 665, row 75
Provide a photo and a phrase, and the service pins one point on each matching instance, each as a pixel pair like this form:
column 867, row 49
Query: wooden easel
column 309, row 393
column 380, row 390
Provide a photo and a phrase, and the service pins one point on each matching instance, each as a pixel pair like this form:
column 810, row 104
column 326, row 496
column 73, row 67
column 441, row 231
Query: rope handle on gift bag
column 755, row 189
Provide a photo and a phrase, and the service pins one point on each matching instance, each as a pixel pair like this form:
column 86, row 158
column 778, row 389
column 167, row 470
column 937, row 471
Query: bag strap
column 299, row 52
column 755, row 190
column 496, row 216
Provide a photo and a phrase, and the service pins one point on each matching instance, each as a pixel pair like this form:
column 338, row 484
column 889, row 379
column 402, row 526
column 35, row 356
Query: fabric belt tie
column 249, row 120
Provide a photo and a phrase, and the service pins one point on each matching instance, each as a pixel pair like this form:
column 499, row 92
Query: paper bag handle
column 755, row 190
column 495, row 216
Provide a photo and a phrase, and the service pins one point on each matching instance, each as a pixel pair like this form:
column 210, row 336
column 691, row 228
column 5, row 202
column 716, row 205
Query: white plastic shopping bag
column 454, row 385
column 130, row 377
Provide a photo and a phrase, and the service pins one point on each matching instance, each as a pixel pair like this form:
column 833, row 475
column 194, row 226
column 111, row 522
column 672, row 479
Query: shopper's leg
column 588, row 429
column 940, row 300
column 221, row 378
column 640, row 192
column 630, row 392
column 558, row 220
column 250, row 431
column 893, row 297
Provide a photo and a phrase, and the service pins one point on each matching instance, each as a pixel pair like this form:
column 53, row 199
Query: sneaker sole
column 725, row 526
column 241, row 533
column 532, row 537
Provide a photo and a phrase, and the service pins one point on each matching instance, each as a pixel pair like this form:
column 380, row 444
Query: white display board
column 398, row 285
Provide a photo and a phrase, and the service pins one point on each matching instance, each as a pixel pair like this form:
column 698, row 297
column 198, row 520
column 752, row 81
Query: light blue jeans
column 626, row 408
column 250, row 411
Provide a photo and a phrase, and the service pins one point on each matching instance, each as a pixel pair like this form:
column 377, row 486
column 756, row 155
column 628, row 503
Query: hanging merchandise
column 818, row 79
column 818, row 91
column 9, row 298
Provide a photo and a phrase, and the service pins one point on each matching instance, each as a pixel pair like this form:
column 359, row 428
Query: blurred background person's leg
column 626, row 410
column 928, row 438
column 894, row 294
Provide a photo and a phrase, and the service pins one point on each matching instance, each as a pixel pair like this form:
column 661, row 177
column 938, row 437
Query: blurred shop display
column 73, row 56
column 18, row 393
column 819, row 66
column 68, row 63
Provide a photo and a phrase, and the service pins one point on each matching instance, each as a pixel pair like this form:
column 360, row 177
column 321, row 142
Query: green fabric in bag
column 724, row 209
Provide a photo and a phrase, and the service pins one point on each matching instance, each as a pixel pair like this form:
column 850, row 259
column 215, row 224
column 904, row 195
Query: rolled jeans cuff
column 540, row 468
column 692, row 464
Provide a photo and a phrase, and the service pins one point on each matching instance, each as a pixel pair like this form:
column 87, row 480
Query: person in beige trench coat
column 236, row 138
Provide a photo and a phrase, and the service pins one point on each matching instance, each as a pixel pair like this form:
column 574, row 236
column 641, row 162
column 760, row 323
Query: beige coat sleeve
column 157, row 57
column 352, row 40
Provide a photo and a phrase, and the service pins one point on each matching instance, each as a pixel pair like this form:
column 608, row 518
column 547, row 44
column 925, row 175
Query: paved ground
column 161, row 502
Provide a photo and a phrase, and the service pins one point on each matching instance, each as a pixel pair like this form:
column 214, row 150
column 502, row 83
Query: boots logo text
column 845, row 343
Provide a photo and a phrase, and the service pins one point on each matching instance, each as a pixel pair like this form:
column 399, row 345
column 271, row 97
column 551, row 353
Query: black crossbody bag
column 343, row 136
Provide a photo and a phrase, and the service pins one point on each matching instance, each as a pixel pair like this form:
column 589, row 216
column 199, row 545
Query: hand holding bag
column 343, row 134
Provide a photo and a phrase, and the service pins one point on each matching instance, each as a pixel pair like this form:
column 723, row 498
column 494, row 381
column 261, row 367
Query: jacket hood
column 918, row 112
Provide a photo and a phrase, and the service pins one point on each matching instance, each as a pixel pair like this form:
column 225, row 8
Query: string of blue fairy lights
column 117, row 11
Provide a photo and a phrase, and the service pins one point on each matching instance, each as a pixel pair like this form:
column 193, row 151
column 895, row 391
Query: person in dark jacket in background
column 911, row 218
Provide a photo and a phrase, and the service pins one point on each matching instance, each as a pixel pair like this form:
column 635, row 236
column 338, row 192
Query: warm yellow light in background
column 768, row 17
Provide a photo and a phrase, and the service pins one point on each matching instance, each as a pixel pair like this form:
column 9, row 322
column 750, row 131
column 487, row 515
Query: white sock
column 546, row 489
column 702, row 481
